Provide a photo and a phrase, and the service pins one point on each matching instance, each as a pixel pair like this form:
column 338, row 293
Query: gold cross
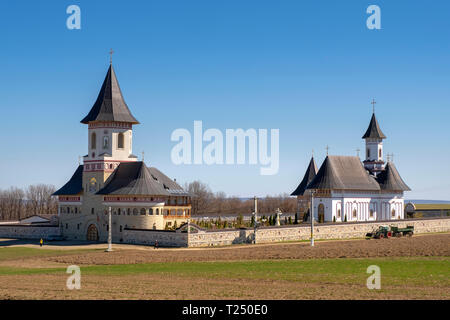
column 373, row 105
column 110, row 55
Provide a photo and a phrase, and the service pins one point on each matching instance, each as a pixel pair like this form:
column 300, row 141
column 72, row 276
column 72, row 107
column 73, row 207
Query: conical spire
column 390, row 179
column 374, row 131
column 310, row 173
column 110, row 105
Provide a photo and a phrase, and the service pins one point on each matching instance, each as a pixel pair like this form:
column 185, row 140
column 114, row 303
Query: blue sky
column 308, row 68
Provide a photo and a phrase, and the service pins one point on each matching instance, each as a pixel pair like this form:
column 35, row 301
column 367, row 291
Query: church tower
column 110, row 134
column 374, row 147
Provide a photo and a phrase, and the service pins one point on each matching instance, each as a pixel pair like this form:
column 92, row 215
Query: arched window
column 93, row 140
column 128, row 211
column 339, row 213
column 143, row 212
column 150, row 212
column 105, row 142
column 135, row 211
column 371, row 213
column 393, row 212
column 119, row 211
column 354, row 213
column 157, row 211
column 120, row 141
column 321, row 212
column 379, row 153
column 368, row 154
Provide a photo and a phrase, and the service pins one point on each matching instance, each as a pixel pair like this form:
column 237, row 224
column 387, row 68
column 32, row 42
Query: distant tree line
column 17, row 203
column 204, row 201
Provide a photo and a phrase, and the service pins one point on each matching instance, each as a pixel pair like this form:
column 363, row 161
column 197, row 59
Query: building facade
column 345, row 189
column 111, row 176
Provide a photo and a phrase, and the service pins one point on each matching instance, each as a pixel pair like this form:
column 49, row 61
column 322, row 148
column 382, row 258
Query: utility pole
column 109, row 231
column 256, row 216
column 312, row 218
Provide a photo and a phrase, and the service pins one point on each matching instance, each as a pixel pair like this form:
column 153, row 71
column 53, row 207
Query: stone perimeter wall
column 204, row 238
column 149, row 237
column 303, row 232
column 28, row 231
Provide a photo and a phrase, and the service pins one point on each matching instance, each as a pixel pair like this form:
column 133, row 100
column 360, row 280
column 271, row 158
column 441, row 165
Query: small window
column 93, row 140
column 135, row 211
column 120, row 141
column 379, row 153
column 354, row 213
column 92, row 210
column 371, row 213
column 393, row 212
column 67, row 226
column 120, row 228
column 150, row 211
column 339, row 213
column 143, row 212
column 128, row 211
column 368, row 154
column 105, row 142
column 119, row 211
column 157, row 211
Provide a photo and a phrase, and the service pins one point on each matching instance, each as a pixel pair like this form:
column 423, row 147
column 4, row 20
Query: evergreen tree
column 296, row 218
column 290, row 220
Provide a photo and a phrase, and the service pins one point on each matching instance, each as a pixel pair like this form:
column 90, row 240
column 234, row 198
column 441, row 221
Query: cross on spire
column 373, row 105
column 110, row 55
column 327, row 148
column 143, row 156
column 357, row 152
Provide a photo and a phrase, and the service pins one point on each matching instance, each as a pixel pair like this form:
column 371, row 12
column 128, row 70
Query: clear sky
column 307, row 68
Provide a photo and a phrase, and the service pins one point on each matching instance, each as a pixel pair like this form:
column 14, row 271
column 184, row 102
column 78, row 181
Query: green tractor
column 380, row 233
column 387, row 232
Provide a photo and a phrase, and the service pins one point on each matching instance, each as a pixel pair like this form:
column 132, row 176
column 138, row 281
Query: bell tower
column 374, row 145
column 110, row 134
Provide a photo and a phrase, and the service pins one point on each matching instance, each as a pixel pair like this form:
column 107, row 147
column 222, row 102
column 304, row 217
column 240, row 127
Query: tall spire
column 374, row 131
column 310, row 173
column 110, row 105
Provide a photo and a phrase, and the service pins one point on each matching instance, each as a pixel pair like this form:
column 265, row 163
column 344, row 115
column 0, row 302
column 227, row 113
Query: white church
column 344, row 189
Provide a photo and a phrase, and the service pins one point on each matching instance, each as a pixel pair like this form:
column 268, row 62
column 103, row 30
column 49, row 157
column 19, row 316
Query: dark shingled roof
column 310, row 173
column 389, row 179
column 345, row 173
column 74, row 185
column 374, row 131
column 134, row 178
column 110, row 105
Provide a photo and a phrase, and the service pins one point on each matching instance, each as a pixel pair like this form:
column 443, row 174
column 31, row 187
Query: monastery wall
column 28, row 231
column 204, row 238
column 149, row 237
column 303, row 232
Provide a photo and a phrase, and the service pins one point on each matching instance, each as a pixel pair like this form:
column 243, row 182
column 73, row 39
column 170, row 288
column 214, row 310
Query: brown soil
column 143, row 286
column 425, row 245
